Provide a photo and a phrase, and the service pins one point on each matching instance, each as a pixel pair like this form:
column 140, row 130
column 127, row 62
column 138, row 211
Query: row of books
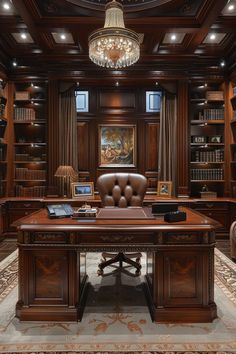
column 28, row 157
column 22, row 113
column 209, row 156
column 26, row 174
column 207, row 174
column 211, row 114
column 35, row 191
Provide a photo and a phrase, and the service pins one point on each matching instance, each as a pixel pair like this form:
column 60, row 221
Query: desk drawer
column 24, row 205
column 116, row 238
column 222, row 217
column 210, row 206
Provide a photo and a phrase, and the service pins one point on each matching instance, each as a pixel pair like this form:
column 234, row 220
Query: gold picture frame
column 117, row 145
column 82, row 190
column 164, row 189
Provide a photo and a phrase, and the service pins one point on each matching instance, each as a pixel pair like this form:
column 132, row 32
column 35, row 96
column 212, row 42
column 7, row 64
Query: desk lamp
column 66, row 172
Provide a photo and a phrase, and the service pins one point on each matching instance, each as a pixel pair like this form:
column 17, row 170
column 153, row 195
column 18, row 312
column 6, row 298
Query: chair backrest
column 122, row 189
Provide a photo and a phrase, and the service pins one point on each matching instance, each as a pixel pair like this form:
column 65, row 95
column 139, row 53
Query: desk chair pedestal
column 120, row 257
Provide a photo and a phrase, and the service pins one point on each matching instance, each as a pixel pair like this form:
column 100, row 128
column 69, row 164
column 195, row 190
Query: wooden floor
column 8, row 246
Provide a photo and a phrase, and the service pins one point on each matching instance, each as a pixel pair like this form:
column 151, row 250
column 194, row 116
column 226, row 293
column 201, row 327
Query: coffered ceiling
column 177, row 36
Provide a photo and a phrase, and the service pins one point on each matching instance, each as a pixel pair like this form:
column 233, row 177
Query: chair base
column 120, row 257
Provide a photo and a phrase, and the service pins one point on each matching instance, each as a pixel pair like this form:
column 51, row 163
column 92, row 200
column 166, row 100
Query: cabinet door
column 216, row 211
column 18, row 209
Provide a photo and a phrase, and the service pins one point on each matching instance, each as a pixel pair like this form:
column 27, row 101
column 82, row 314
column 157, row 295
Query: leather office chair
column 121, row 190
column 232, row 235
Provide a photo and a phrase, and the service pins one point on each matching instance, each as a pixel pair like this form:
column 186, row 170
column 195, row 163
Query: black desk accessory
column 162, row 208
column 175, row 216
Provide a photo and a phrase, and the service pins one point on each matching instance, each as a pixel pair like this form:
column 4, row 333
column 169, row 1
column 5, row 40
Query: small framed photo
column 82, row 190
column 164, row 189
column 215, row 139
column 199, row 139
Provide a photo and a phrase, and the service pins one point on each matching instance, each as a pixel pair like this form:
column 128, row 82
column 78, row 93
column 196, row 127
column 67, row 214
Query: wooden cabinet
column 219, row 211
column 14, row 210
column 1, row 224
column 30, row 140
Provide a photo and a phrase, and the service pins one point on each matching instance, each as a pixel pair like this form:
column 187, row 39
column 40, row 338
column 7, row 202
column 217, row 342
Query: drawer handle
column 27, row 205
column 26, row 213
column 209, row 205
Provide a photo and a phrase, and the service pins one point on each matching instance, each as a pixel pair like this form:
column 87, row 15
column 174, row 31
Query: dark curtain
column 167, row 141
column 68, row 147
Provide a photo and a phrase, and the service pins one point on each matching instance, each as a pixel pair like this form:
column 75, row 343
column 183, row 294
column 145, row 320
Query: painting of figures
column 117, row 145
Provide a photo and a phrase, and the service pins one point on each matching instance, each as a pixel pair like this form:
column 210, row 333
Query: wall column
column 183, row 189
column 53, row 130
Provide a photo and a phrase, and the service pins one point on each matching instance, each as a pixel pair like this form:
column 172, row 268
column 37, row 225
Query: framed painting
column 164, row 189
column 117, row 145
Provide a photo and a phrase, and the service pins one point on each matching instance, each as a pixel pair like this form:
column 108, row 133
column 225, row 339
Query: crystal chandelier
column 114, row 46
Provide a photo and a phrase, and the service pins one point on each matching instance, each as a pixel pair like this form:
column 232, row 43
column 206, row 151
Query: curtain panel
column 68, row 146
column 167, row 142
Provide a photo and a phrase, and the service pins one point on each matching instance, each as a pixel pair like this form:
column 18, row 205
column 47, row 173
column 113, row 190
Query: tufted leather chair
column 232, row 234
column 121, row 190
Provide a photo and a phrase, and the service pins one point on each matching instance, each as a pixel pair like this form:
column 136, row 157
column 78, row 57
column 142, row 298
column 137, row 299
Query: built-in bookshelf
column 233, row 138
column 207, row 130
column 30, row 162
column 3, row 157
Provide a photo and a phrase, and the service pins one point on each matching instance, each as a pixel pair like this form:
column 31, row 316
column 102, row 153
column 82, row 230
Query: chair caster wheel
column 137, row 272
column 99, row 272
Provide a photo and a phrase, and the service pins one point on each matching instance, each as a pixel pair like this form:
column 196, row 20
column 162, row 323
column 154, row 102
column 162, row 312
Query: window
column 153, row 101
column 82, row 101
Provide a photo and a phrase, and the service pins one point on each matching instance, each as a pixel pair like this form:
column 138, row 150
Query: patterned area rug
column 116, row 318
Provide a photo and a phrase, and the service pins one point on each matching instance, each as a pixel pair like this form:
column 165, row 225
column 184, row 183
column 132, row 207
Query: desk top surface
column 108, row 221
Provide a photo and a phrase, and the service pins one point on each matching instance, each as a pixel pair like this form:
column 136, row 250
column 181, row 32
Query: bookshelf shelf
column 207, row 162
column 30, row 180
column 209, row 121
column 29, row 162
column 207, row 181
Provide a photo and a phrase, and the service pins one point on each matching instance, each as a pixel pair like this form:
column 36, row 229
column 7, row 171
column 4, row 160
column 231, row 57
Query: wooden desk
column 180, row 264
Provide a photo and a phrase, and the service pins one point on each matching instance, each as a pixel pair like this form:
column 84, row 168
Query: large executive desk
column 180, row 263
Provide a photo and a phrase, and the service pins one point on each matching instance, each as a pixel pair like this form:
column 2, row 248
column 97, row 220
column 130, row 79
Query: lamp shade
column 65, row 171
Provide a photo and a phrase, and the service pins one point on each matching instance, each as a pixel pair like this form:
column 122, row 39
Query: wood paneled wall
column 117, row 107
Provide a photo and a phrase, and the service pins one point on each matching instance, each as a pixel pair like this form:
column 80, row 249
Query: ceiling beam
column 28, row 19
column 208, row 14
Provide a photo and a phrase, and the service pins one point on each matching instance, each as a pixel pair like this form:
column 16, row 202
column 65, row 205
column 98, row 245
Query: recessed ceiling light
column 222, row 63
column 212, row 36
column 14, row 62
column 231, row 7
column 63, row 36
column 173, row 37
column 23, row 35
column 6, row 6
